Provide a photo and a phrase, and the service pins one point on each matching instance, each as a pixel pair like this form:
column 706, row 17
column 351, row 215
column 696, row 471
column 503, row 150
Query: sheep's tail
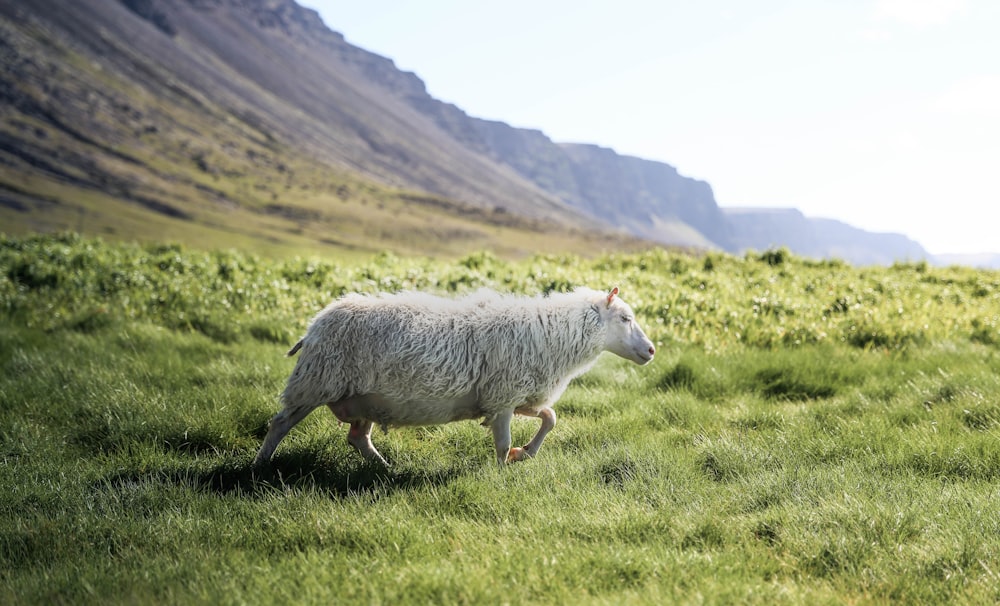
column 295, row 348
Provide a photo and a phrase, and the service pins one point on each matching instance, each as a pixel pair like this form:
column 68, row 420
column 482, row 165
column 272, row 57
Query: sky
column 884, row 114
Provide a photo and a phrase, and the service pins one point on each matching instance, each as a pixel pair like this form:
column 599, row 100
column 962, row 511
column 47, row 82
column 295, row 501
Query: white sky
column 884, row 114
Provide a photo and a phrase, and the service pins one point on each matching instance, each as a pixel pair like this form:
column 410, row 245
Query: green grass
column 824, row 455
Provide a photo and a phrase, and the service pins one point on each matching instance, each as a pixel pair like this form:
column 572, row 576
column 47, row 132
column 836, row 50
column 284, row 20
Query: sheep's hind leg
column 277, row 429
column 548, row 417
column 360, row 437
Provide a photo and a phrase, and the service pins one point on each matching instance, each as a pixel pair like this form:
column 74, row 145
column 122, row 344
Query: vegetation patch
column 765, row 456
column 782, row 384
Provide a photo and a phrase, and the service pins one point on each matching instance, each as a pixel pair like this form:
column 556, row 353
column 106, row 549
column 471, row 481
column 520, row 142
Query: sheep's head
column 624, row 337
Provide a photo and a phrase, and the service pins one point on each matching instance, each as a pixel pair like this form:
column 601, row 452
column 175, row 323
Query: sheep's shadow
column 288, row 472
column 206, row 462
column 303, row 470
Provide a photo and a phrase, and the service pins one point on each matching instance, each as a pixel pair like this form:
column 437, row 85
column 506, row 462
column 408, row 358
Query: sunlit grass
column 137, row 382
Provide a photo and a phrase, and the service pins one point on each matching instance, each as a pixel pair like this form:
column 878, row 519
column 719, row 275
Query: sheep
column 416, row 359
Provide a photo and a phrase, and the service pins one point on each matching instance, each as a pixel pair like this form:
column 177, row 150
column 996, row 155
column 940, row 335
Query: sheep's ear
column 612, row 295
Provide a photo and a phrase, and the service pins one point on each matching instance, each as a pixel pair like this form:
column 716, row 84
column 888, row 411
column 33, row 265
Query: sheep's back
column 399, row 350
column 418, row 347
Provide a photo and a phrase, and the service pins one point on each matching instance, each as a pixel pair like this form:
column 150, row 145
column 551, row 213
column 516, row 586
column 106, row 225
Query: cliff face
column 649, row 199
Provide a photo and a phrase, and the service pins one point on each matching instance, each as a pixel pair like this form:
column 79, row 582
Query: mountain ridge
column 202, row 110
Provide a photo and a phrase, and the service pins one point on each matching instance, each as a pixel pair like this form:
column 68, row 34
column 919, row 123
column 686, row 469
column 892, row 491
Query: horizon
column 885, row 114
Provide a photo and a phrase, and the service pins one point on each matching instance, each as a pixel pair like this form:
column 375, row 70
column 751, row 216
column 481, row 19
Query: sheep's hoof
column 517, row 454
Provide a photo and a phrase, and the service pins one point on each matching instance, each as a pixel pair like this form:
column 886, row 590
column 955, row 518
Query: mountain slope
column 250, row 122
column 183, row 119
column 648, row 198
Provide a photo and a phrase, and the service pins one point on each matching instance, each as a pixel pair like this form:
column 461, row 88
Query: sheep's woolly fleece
column 416, row 350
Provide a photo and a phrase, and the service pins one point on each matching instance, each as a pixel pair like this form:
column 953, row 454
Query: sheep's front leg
column 360, row 437
column 501, row 435
column 548, row 417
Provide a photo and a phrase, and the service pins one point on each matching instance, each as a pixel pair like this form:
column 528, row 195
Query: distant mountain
column 763, row 228
column 251, row 118
column 983, row 261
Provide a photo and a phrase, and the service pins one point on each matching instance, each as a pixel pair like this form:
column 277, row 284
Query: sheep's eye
column 626, row 318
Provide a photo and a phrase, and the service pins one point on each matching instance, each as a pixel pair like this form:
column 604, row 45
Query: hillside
column 151, row 120
column 251, row 123
column 649, row 199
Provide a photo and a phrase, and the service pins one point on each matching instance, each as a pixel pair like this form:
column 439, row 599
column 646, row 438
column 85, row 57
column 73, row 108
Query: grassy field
column 808, row 433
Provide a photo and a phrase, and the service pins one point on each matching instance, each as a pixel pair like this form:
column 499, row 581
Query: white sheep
column 417, row 359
